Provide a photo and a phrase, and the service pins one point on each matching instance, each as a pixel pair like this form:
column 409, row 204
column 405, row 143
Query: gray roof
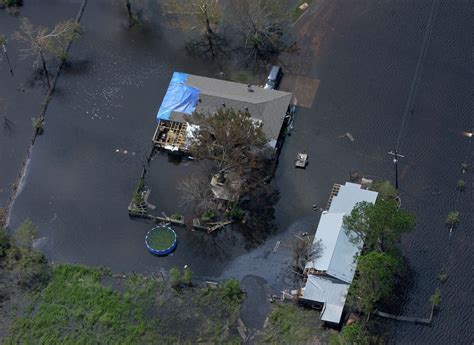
column 269, row 106
column 329, row 291
column 339, row 252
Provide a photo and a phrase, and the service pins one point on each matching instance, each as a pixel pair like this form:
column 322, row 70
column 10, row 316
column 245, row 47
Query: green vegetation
column 88, row 306
column 375, row 280
column 385, row 189
column 177, row 217
column 453, row 219
column 38, row 124
column 355, row 333
column 11, row 3
column 291, row 324
column 380, row 225
column 435, row 298
column 442, row 276
column 208, row 215
column 461, row 185
column 161, row 238
column 296, row 12
column 4, row 242
column 137, row 198
column 179, row 281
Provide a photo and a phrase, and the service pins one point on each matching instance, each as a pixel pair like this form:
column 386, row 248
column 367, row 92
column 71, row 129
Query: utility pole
column 395, row 155
column 4, row 46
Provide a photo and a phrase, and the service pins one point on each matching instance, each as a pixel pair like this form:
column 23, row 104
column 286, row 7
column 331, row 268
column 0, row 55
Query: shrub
column 452, row 219
column 4, row 242
column 177, row 216
column 175, row 277
column 442, row 276
column 355, row 333
column 30, row 265
column 461, row 185
column 38, row 124
column 435, row 298
column 11, row 3
column 231, row 290
column 208, row 215
column 25, row 233
column 385, row 189
column 187, row 277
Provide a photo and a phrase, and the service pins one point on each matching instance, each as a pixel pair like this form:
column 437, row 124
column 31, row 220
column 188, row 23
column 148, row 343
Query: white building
column 330, row 275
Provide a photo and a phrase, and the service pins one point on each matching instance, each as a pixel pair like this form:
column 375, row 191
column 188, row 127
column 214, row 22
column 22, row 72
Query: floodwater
column 84, row 169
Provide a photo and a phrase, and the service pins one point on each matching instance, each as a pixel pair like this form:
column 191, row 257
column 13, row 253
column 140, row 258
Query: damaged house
column 189, row 93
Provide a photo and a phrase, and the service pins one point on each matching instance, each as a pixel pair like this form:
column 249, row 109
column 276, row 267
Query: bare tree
column 196, row 193
column 303, row 250
column 262, row 24
column 41, row 43
column 203, row 16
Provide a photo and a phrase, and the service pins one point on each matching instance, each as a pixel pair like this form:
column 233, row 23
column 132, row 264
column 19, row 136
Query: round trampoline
column 161, row 240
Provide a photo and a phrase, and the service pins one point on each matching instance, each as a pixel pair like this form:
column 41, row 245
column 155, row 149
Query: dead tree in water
column 197, row 15
column 42, row 43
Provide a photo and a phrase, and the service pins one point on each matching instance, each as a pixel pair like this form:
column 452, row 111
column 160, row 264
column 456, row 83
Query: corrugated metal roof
column 331, row 292
column 339, row 252
column 348, row 196
column 328, row 233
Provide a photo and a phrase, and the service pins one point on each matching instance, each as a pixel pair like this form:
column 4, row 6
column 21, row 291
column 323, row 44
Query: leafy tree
column 200, row 15
column 262, row 24
column 229, row 138
column 42, row 43
column 375, row 279
column 379, row 225
column 25, row 233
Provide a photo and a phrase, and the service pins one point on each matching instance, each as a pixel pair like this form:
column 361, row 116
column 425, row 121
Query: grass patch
column 161, row 238
column 76, row 308
column 296, row 12
column 292, row 324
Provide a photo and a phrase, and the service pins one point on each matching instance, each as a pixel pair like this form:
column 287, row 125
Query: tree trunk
column 43, row 62
column 130, row 14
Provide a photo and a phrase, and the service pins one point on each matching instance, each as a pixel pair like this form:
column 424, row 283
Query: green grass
column 296, row 12
column 292, row 324
column 77, row 308
column 161, row 238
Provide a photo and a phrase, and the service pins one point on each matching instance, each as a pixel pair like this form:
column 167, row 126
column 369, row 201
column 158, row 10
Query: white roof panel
column 348, row 196
column 327, row 232
column 331, row 292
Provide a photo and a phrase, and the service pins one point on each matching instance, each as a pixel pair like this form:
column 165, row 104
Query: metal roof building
column 336, row 265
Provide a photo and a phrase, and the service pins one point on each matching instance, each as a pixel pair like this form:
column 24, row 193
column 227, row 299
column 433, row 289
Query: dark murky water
column 100, row 122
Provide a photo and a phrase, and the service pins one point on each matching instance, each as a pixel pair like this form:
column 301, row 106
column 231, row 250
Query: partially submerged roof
column 329, row 291
column 338, row 254
column 188, row 93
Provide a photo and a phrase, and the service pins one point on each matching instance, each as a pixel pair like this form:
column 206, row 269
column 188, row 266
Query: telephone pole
column 395, row 155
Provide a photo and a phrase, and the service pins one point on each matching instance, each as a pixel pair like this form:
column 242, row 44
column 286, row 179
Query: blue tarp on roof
column 179, row 97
